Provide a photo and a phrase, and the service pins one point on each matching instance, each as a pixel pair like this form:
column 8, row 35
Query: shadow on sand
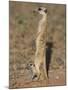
column 48, row 54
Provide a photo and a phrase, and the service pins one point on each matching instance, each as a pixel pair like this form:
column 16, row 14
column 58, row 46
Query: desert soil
column 23, row 25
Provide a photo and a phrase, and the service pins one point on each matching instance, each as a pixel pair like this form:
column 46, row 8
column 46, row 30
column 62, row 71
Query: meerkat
column 39, row 67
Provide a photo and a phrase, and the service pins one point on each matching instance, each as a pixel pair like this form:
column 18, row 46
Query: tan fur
column 40, row 59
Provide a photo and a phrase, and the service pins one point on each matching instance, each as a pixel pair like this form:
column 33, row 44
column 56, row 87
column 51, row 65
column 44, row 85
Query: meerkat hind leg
column 42, row 75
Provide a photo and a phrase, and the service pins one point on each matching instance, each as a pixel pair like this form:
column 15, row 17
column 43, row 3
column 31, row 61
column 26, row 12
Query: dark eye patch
column 39, row 9
column 45, row 10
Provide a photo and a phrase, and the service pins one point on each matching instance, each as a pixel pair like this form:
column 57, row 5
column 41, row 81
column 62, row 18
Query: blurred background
column 23, row 24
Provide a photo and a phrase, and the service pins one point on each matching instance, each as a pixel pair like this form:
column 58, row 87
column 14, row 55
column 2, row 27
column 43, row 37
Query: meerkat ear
column 45, row 10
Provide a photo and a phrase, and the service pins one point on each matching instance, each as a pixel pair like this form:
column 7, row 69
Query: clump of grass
column 21, row 22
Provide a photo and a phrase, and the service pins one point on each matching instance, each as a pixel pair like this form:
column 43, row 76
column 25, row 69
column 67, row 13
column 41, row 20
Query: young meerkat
column 39, row 67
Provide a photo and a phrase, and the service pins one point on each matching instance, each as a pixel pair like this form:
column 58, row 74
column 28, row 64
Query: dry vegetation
column 23, row 27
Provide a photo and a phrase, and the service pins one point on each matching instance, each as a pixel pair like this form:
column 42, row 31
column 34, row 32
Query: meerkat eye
column 45, row 10
column 39, row 9
column 30, row 64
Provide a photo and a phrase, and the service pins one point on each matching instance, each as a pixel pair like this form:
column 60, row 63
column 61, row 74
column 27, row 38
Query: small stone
column 59, row 61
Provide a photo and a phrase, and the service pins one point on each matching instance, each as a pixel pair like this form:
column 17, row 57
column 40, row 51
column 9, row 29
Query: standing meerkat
column 39, row 67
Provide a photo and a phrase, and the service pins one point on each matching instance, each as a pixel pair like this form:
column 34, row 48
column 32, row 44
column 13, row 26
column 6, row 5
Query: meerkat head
column 41, row 10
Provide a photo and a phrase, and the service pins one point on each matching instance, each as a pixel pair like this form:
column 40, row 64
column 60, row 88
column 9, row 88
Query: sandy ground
column 55, row 78
column 23, row 25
